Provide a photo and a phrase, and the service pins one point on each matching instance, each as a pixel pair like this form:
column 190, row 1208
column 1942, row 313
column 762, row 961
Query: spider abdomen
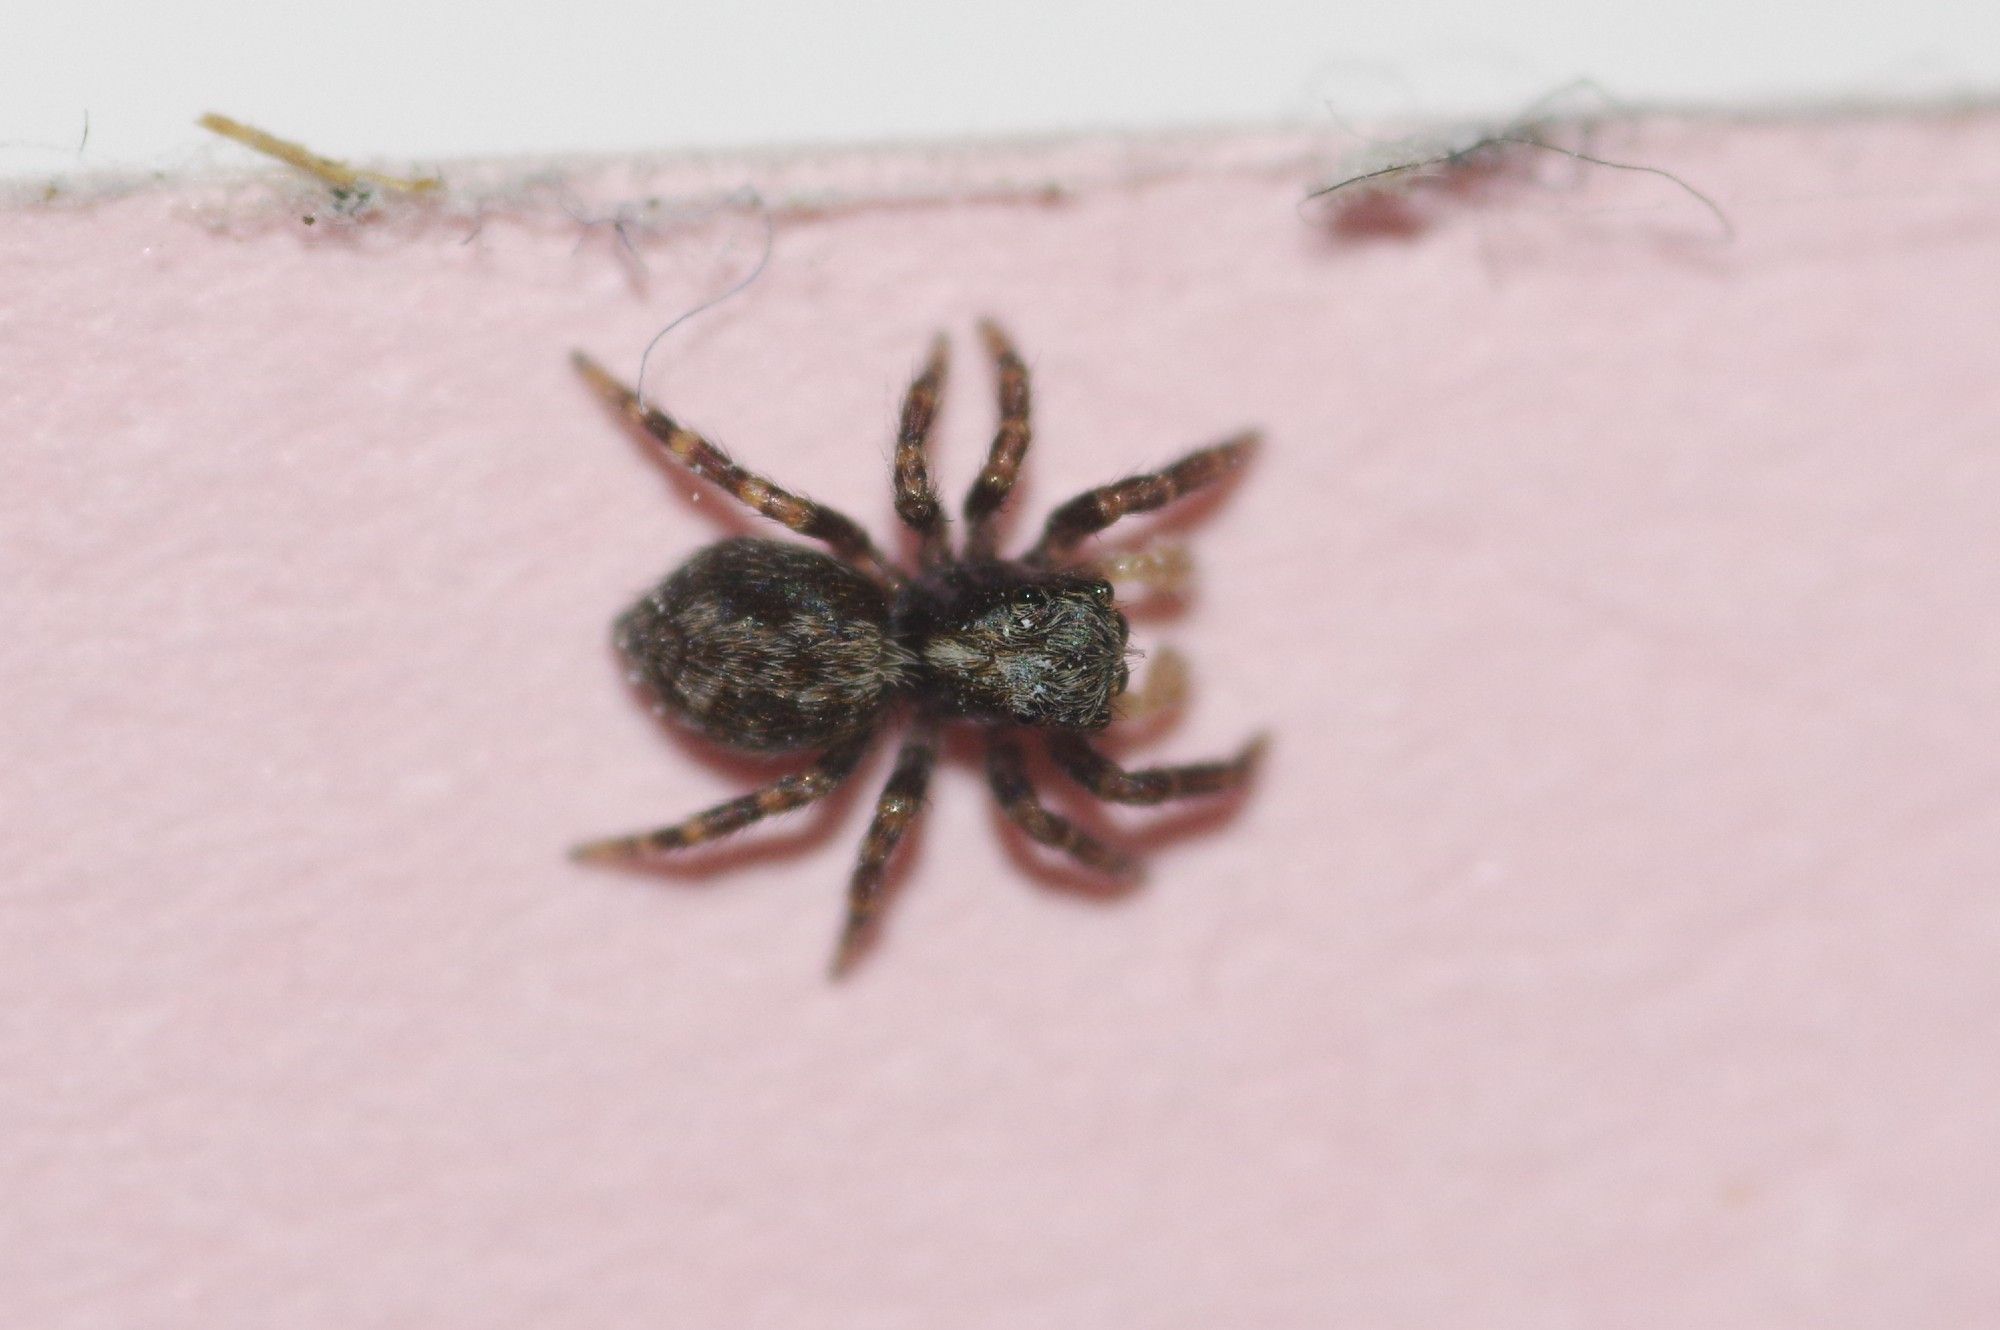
column 765, row 646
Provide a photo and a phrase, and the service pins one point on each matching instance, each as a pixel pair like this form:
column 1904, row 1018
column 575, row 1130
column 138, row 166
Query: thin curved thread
column 1728, row 228
column 753, row 199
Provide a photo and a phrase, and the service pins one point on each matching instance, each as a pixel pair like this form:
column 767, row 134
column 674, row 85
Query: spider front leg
column 916, row 498
column 901, row 800
column 842, row 533
column 1007, row 773
column 780, row 796
column 1093, row 510
column 1153, row 785
column 989, row 492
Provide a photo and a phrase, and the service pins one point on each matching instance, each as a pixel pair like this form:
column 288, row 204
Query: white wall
column 373, row 77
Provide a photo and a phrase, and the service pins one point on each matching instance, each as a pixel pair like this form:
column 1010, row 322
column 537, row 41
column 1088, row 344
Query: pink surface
column 1611, row 940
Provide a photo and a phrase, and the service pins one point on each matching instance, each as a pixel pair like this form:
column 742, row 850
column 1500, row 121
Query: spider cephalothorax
column 773, row 647
column 1020, row 646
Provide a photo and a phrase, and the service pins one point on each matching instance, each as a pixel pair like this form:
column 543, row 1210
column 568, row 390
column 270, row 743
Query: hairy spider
column 774, row 647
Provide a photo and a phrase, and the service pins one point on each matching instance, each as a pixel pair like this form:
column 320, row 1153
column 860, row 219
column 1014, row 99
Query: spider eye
column 1102, row 590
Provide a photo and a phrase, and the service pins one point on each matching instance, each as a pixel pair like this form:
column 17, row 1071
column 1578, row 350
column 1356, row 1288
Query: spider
column 768, row 646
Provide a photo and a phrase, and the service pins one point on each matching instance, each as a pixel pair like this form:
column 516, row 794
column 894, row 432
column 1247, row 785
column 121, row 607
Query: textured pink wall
column 1611, row 941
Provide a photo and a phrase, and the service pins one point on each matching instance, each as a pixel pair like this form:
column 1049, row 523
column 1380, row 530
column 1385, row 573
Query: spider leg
column 1093, row 510
column 1010, row 443
column 1008, row 775
column 901, row 800
column 709, row 462
column 1109, row 781
column 781, row 795
column 916, row 498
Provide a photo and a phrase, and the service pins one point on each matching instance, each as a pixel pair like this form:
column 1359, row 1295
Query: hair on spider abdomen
column 765, row 646
column 772, row 647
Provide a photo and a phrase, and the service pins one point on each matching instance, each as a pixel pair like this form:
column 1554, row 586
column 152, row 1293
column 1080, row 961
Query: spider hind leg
column 840, row 532
column 781, row 796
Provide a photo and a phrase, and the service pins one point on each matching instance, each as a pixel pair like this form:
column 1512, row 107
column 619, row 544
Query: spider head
column 1041, row 649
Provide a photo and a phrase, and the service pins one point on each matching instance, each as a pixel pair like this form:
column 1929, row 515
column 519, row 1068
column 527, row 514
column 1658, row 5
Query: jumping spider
column 773, row 647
